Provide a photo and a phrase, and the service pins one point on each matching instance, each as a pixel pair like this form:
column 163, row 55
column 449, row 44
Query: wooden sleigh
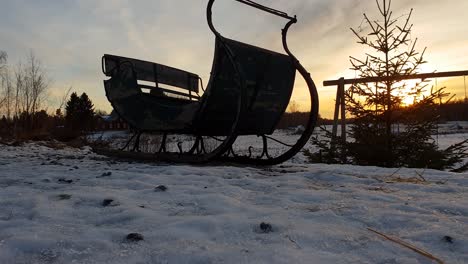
column 247, row 94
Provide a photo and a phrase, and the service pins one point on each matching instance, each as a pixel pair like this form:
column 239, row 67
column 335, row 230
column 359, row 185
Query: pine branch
column 403, row 30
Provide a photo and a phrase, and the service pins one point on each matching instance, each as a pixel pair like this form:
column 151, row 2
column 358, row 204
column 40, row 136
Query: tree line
column 453, row 110
column 456, row 110
column 23, row 104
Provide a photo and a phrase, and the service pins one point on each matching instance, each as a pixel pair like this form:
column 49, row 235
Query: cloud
column 71, row 36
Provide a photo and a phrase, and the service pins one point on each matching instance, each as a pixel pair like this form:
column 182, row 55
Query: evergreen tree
column 375, row 106
column 385, row 132
column 72, row 112
column 86, row 112
column 79, row 112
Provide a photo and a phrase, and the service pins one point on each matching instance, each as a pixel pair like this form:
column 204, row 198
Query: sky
column 70, row 37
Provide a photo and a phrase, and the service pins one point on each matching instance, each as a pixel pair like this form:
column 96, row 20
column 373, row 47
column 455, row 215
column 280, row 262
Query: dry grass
column 413, row 180
column 407, row 245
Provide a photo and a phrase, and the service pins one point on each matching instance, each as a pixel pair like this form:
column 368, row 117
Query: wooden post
column 341, row 87
column 339, row 105
column 337, row 113
column 464, row 82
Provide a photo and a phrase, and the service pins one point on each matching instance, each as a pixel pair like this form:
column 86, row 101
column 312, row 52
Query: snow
column 52, row 211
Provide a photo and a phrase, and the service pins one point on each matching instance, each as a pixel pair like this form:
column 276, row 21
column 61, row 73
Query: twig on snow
column 421, row 175
column 294, row 242
column 407, row 245
column 393, row 174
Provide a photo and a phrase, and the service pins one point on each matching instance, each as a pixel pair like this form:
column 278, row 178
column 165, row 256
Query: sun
column 407, row 101
column 407, row 92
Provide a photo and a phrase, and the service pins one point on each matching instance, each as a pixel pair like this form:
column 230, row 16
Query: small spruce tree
column 385, row 132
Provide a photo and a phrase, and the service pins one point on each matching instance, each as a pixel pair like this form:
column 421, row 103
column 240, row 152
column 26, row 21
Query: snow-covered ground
column 72, row 206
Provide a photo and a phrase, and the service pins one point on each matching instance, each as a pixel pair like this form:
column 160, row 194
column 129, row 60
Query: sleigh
column 247, row 94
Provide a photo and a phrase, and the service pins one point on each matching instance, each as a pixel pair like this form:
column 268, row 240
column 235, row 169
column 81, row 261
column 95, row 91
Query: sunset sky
column 70, row 36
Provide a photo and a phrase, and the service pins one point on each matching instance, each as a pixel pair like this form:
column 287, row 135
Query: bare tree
column 7, row 93
column 31, row 83
column 3, row 59
column 36, row 82
column 23, row 91
column 19, row 89
column 2, row 78
column 63, row 100
column 6, row 86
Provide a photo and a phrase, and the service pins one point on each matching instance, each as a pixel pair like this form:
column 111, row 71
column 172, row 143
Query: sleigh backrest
column 151, row 75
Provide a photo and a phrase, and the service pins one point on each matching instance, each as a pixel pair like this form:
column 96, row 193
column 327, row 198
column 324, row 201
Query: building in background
column 111, row 122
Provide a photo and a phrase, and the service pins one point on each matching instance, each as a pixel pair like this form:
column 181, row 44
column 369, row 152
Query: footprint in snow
column 109, row 202
column 264, row 228
column 64, row 196
column 448, row 239
column 160, row 188
column 63, row 180
column 105, row 174
column 134, row 237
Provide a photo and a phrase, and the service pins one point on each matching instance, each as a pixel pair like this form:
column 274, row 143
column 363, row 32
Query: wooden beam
column 397, row 78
